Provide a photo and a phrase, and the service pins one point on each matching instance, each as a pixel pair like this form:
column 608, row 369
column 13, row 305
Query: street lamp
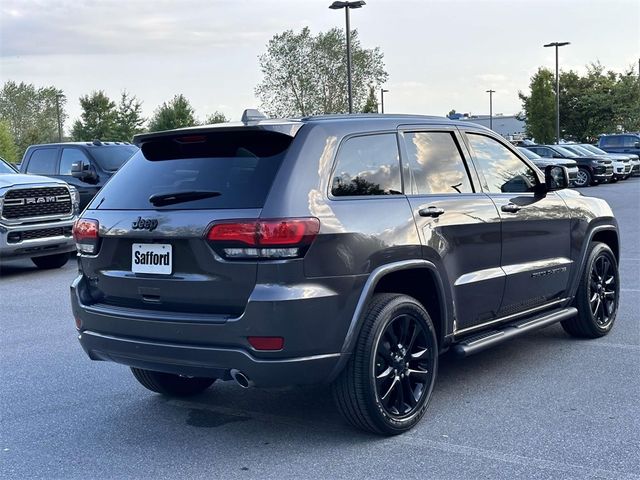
column 557, row 44
column 382, row 92
column 491, row 92
column 58, row 97
column 347, row 6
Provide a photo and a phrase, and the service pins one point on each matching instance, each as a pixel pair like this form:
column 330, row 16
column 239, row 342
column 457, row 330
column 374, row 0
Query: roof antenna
column 252, row 115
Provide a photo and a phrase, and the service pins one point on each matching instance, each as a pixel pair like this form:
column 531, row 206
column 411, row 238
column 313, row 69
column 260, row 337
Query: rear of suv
column 344, row 250
column 85, row 165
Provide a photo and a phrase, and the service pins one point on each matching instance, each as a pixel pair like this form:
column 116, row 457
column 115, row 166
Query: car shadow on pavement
column 14, row 268
column 309, row 412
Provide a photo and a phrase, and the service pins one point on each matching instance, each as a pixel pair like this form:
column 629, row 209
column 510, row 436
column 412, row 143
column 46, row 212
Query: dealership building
column 511, row 127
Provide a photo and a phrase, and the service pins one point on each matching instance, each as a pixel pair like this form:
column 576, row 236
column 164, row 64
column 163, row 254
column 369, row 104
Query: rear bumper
column 198, row 361
column 313, row 329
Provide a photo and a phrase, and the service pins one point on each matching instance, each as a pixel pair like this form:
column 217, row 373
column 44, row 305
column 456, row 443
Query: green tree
column 129, row 119
column 305, row 74
column 371, row 105
column 216, row 117
column 98, row 118
column 8, row 149
column 539, row 107
column 626, row 101
column 176, row 113
column 31, row 113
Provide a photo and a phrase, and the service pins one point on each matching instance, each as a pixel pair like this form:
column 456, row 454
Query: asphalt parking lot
column 544, row 406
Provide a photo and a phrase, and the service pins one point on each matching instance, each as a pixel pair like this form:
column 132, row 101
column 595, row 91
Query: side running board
column 476, row 343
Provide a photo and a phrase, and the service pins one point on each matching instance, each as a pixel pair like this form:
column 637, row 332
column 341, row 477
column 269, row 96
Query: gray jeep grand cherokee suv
column 349, row 250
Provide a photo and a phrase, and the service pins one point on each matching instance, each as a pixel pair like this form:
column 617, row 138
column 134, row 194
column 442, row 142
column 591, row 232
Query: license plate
column 151, row 258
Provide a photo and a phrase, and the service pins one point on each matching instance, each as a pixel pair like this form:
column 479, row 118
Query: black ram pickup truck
column 347, row 250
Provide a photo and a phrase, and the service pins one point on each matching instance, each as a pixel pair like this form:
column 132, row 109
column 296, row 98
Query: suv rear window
column 238, row 166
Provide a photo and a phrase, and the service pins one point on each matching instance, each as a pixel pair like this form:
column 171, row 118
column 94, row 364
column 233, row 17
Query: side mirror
column 76, row 170
column 556, row 177
column 83, row 171
column 636, row 145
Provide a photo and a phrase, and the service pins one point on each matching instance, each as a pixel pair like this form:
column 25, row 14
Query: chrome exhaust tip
column 240, row 378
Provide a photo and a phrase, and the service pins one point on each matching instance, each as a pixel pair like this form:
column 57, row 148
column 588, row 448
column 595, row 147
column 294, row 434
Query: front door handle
column 434, row 212
column 510, row 208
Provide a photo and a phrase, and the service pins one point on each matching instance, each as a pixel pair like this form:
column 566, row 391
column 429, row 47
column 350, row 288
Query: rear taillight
column 268, row 239
column 85, row 233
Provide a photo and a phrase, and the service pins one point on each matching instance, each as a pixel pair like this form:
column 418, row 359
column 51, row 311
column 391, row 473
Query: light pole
column 347, row 6
column 557, row 44
column 491, row 92
column 382, row 92
column 58, row 97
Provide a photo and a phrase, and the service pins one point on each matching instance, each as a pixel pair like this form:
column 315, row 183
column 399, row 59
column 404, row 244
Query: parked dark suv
column 591, row 170
column 346, row 250
column 95, row 162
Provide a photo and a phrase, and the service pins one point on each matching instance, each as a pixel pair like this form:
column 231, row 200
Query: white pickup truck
column 36, row 218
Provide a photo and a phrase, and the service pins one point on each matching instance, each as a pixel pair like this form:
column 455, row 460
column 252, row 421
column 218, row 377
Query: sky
column 440, row 55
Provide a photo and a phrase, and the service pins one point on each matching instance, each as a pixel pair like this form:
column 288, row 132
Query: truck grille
column 36, row 202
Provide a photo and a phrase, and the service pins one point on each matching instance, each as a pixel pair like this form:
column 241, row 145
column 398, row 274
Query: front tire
column 386, row 386
column 51, row 261
column 597, row 295
column 171, row 385
column 583, row 178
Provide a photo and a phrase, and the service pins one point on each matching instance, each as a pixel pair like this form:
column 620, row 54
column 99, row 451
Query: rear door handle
column 434, row 212
column 510, row 208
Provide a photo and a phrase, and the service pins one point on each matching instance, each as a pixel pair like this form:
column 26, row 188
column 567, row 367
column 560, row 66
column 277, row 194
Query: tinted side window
column 435, row 164
column 43, row 161
column 612, row 141
column 503, row 171
column 367, row 165
column 69, row 157
column 629, row 141
column 542, row 151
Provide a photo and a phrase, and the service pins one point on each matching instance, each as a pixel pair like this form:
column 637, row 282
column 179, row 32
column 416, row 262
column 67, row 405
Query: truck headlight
column 75, row 198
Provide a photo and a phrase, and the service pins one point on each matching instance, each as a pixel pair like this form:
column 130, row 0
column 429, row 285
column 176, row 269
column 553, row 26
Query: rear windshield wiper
column 162, row 199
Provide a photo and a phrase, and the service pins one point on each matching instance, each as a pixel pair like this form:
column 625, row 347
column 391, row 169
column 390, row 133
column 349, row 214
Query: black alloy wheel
column 597, row 296
column 603, row 290
column 403, row 361
column 387, row 383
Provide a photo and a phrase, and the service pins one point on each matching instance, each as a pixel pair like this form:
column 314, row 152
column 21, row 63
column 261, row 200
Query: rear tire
column 386, row 386
column 171, row 385
column 51, row 261
column 583, row 178
column 597, row 295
